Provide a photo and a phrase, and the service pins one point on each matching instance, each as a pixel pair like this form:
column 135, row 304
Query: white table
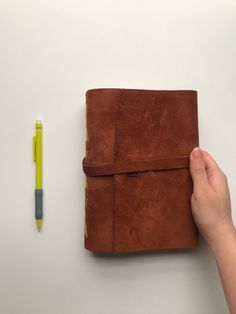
column 51, row 53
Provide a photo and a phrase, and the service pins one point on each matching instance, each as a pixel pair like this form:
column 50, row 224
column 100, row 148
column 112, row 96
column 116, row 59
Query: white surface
column 51, row 53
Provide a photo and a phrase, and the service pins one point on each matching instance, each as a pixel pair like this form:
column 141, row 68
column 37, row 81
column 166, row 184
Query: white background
column 51, row 52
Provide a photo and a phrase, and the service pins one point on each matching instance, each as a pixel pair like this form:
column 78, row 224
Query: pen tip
column 39, row 224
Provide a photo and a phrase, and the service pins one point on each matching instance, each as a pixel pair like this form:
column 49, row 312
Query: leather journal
column 138, row 183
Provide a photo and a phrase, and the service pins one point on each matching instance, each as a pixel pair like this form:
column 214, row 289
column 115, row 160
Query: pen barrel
column 38, row 203
column 38, row 159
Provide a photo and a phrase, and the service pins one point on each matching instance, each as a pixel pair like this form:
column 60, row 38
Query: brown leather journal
column 138, row 184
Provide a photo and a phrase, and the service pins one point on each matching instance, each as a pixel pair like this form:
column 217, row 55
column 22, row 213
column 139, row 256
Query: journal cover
column 138, row 183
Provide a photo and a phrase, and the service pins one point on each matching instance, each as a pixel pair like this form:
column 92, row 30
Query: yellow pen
column 37, row 151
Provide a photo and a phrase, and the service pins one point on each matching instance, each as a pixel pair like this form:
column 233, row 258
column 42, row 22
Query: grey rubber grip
column 38, row 203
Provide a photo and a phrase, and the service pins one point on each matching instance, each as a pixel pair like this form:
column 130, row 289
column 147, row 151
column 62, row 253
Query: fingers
column 204, row 170
column 198, row 169
column 211, row 164
column 214, row 173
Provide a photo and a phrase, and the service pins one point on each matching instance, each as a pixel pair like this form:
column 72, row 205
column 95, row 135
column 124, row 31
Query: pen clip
column 34, row 147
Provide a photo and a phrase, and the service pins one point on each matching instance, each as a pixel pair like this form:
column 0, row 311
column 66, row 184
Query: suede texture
column 138, row 184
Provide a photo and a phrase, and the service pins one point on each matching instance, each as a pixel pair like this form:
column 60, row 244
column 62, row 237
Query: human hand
column 211, row 205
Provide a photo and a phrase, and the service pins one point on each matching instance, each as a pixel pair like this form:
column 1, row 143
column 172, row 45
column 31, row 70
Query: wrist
column 220, row 236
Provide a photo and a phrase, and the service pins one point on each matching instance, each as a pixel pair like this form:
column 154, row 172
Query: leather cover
column 138, row 184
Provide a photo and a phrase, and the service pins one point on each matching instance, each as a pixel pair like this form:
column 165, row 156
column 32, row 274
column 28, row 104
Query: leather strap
column 134, row 166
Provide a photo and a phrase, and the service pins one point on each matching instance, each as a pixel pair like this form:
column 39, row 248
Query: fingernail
column 197, row 153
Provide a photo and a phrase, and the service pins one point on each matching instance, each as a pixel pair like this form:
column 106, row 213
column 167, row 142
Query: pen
column 37, row 151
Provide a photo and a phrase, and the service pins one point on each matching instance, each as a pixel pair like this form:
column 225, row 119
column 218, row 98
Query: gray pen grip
column 38, row 203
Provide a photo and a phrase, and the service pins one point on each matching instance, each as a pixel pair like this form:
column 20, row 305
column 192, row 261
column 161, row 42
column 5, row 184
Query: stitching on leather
column 117, row 135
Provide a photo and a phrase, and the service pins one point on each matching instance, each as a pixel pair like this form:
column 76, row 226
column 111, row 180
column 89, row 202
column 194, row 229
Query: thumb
column 198, row 169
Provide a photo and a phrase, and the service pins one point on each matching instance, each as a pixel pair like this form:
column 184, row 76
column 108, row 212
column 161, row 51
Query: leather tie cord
column 128, row 166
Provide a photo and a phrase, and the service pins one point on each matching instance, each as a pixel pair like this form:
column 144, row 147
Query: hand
column 211, row 205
